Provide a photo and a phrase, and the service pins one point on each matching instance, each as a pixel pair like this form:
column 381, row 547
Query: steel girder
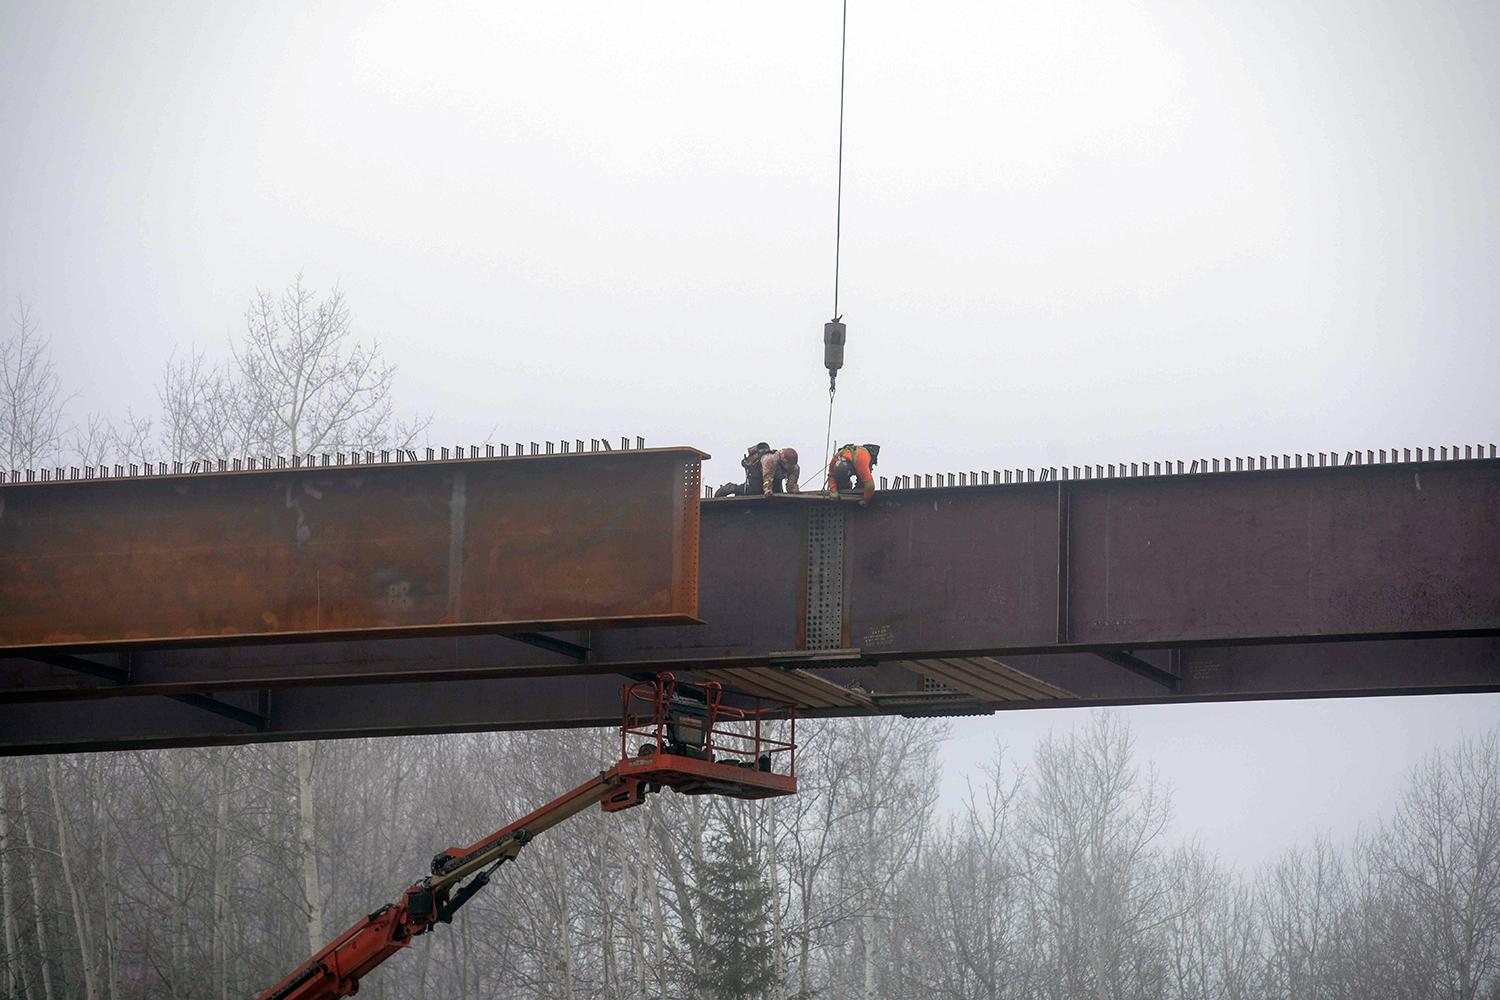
column 337, row 551
column 1296, row 583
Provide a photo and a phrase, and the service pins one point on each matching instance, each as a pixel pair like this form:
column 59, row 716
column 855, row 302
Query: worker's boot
column 728, row 490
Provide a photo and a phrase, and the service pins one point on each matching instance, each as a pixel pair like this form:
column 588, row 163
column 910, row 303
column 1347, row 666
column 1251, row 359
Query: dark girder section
column 119, row 680
column 553, row 644
column 1144, row 668
column 1303, row 555
column 436, row 704
column 1325, row 582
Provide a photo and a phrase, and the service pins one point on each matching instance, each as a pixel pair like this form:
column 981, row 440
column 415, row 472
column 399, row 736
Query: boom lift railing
column 694, row 721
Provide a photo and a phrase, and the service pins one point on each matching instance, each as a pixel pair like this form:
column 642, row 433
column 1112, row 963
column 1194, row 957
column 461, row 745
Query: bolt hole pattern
column 825, row 577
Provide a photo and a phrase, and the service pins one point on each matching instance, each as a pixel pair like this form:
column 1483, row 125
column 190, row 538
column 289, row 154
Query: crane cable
column 838, row 209
column 838, row 224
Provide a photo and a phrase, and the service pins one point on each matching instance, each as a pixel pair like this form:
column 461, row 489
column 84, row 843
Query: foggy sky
column 1074, row 232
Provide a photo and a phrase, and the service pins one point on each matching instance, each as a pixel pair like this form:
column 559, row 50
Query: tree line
column 183, row 874
column 213, row 872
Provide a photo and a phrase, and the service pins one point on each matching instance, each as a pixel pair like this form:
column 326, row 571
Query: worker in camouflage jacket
column 767, row 470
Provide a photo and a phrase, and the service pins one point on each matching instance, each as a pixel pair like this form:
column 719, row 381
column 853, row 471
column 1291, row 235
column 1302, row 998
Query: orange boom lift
column 688, row 740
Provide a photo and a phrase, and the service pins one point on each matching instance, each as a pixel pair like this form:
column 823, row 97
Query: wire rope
column 828, row 433
column 838, row 218
column 838, row 210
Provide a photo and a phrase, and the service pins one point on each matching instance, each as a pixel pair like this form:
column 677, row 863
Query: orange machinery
column 685, row 739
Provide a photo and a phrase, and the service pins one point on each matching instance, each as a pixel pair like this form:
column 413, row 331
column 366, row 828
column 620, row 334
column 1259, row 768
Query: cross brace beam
column 119, row 677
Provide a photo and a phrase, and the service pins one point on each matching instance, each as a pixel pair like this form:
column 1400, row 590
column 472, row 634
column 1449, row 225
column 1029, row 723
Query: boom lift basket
column 686, row 738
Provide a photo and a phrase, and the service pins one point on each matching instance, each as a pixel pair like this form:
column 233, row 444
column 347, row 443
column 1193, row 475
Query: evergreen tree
column 735, row 908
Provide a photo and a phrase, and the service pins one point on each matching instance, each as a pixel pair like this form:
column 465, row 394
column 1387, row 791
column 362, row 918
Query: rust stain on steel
column 595, row 539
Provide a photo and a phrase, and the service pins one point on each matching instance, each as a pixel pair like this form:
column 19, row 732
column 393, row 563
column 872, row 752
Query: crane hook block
column 833, row 347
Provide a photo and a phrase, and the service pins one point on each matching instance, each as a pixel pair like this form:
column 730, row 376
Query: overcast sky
column 1074, row 232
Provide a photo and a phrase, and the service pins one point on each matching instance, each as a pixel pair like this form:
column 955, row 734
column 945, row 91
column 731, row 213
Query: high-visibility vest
column 848, row 451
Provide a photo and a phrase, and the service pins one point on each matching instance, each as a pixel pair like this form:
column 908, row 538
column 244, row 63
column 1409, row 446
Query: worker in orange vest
column 850, row 467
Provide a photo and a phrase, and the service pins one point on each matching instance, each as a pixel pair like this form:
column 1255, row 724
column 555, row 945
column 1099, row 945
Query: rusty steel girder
column 326, row 552
column 1292, row 583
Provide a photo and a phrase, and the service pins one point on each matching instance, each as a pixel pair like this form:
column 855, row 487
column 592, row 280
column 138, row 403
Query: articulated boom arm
column 336, row 970
column 679, row 752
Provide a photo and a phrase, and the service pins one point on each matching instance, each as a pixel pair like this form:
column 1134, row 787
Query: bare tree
column 965, row 902
column 1441, row 857
column 297, row 381
column 45, row 956
column 312, row 886
column 1386, row 949
column 1302, row 897
column 82, row 923
column 222, row 865
column 310, row 384
column 811, row 819
column 206, row 410
column 92, row 442
column 14, row 970
column 1096, row 862
column 131, row 438
column 31, row 399
column 1212, row 936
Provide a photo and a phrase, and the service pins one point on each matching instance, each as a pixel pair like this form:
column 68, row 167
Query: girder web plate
column 825, row 577
column 593, row 539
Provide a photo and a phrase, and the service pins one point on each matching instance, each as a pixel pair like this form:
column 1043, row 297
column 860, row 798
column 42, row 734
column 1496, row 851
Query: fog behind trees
column 181, row 874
